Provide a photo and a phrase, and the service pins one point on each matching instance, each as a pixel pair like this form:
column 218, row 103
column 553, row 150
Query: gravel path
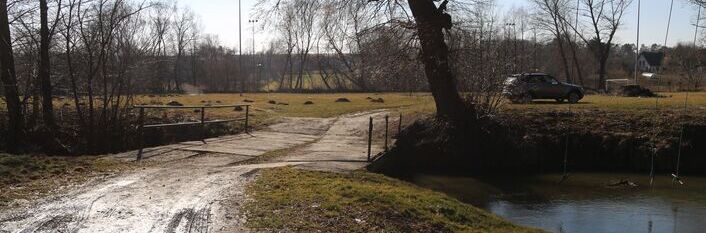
column 194, row 187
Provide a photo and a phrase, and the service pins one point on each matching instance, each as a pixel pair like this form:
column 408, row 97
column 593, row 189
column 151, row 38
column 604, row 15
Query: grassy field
column 696, row 100
column 307, row 201
column 32, row 176
column 324, row 105
column 291, row 105
column 310, row 81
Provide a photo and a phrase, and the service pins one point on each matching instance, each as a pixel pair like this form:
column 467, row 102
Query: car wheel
column 574, row 97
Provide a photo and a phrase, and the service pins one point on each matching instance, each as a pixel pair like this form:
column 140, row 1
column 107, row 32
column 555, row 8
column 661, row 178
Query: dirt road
column 194, row 187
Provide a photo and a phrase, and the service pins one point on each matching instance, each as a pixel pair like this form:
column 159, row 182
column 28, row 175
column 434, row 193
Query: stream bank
column 536, row 141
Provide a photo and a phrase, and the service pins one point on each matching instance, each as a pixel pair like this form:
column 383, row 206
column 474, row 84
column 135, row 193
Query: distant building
column 650, row 61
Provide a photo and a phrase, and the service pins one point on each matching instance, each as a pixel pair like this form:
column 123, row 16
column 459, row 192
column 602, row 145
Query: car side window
column 534, row 79
column 550, row 80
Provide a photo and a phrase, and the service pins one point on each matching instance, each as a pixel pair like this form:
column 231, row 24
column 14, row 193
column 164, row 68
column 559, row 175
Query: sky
column 220, row 17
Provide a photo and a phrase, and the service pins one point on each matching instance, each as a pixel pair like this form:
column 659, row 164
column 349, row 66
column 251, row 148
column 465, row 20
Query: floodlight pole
column 637, row 44
column 696, row 32
column 253, row 21
column 669, row 24
column 240, row 49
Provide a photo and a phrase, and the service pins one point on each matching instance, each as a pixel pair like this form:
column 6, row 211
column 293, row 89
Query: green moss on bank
column 306, row 201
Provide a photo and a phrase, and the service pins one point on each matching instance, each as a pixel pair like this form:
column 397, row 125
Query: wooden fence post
column 203, row 125
column 247, row 113
column 399, row 127
column 387, row 118
column 370, row 138
column 141, row 121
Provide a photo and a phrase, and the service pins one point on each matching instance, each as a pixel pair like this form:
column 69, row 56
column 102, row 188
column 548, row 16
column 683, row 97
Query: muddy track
column 193, row 187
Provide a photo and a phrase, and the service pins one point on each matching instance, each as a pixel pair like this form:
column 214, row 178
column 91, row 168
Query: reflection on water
column 586, row 203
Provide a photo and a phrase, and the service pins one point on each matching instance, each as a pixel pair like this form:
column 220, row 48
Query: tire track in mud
column 191, row 220
column 187, row 190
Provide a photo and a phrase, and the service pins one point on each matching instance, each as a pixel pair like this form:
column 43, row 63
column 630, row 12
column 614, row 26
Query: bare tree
column 160, row 23
column 304, row 32
column 550, row 14
column 9, row 81
column 185, row 32
column 604, row 18
column 479, row 55
column 690, row 60
column 47, row 33
column 344, row 28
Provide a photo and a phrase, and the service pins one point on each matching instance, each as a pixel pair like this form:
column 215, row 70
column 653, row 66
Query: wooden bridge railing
column 202, row 122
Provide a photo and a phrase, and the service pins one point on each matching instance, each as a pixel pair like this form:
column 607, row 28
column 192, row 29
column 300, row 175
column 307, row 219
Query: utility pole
column 637, row 54
column 696, row 32
column 254, row 60
column 240, row 49
column 534, row 41
column 253, row 21
column 669, row 24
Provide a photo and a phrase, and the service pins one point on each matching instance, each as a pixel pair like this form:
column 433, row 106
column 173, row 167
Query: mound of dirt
column 175, row 103
column 636, row 91
column 238, row 109
column 248, row 101
column 378, row 100
column 308, row 103
column 272, row 102
column 343, row 100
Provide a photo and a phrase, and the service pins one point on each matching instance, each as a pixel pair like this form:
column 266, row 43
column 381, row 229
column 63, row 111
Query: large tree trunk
column 44, row 68
column 602, row 67
column 9, row 80
column 176, row 69
column 435, row 56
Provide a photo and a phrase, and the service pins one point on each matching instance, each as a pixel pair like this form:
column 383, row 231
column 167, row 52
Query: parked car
column 523, row 88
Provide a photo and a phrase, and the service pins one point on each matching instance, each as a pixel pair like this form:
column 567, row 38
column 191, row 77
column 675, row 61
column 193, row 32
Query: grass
column 288, row 199
column 32, row 176
column 289, row 105
column 324, row 104
column 696, row 100
column 310, row 81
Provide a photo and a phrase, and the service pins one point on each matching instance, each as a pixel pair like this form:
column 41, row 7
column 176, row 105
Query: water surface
column 584, row 203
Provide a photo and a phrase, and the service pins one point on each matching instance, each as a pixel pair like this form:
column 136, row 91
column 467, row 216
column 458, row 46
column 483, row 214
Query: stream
column 584, row 203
